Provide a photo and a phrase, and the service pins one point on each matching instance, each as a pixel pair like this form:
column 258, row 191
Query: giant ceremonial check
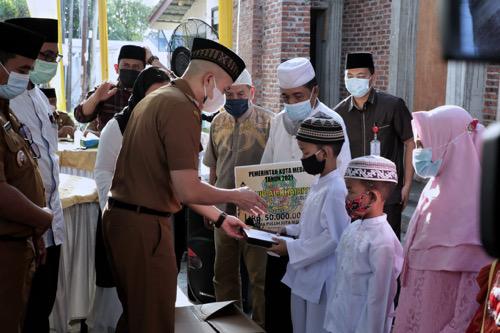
column 284, row 186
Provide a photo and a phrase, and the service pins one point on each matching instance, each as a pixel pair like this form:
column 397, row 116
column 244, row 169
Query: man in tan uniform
column 22, row 220
column 156, row 171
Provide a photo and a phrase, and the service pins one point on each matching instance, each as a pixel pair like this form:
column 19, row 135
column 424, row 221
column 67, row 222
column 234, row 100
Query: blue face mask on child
column 423, row 164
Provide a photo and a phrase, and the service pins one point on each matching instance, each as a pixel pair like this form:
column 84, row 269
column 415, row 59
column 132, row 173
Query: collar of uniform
column 246, row 115
column 186, row 90
column 332, row 174
column 120, row 86
column 372, row 98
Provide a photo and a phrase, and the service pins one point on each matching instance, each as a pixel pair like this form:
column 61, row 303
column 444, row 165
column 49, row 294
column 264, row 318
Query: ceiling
column 169, row 12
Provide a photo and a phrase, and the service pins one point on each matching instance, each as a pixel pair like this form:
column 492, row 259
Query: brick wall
column 491, row 93
column 366, row 27
column 250, row 38
column 271, row 32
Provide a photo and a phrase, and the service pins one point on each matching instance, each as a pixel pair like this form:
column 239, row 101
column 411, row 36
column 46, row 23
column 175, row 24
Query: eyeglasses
column 51, row 56
column 26, row 134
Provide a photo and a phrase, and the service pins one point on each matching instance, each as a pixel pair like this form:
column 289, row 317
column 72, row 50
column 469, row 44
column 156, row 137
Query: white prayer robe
column 33, row 109
column 312, row 254
column 107, row 308
column 369, row 261
column 282, row 147
column 110, row 144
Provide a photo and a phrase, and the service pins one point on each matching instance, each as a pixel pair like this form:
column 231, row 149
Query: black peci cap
column 132, row 52
column 230, row 62
column 359, row 60
column 43, row 26
column 17, row 40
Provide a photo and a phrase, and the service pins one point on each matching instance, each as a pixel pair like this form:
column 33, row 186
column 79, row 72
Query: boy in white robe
column 369, row 255
column 323, row 219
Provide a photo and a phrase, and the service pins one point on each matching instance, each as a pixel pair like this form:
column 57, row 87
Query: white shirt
column 369, row 261
column 33, row 109
column 282, row 147
column 312, row 255
column 110, row 143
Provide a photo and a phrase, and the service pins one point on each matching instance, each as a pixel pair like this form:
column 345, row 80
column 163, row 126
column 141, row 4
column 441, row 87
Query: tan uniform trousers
column 141, row 252
column 17, row 266
column 227, row 279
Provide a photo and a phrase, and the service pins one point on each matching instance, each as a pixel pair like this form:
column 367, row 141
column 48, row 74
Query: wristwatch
column 152, row 59
column 220, row 220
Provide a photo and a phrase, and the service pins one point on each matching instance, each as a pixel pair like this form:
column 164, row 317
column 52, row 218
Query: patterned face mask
column 355, row 207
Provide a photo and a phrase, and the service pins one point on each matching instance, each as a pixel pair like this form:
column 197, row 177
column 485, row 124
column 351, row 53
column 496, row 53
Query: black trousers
column 43, row 293
column 104, row 276
column 180, row 235
column 394, row 212
column 278, row 314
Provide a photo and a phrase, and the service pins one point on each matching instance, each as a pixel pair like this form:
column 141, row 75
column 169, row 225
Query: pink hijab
column 444, row 230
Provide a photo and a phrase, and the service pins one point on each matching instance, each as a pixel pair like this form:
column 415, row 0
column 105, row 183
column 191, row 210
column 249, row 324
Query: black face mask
column 127, row 77
column 312, row 166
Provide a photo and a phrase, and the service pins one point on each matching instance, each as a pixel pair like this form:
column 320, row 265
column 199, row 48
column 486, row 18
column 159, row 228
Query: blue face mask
column 298, row 111
column 236, row 107
column 423, row 164
column 15, row 86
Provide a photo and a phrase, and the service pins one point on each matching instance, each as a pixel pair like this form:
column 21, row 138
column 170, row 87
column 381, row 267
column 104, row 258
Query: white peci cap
column 244, row 78
column 295, row 72
column 373, row 168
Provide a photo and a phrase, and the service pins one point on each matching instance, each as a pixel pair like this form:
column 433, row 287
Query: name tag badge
column 21, row 158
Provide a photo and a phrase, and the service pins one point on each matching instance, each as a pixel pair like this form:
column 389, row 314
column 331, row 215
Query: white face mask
column 357, row 87
column 214, row 104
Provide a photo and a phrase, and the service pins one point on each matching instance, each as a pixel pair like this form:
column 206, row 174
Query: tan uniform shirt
column 163, row 135
column 18, row 168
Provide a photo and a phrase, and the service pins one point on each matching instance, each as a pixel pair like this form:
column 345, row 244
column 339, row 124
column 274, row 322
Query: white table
column 76, row 287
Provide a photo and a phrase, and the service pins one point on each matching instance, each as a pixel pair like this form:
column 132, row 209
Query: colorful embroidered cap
column 372, row 168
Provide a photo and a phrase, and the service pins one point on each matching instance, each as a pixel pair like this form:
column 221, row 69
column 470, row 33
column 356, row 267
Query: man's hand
column 232, row 227
column 405, row 195
column 105, row 91
column 40, row 250
column 279, row 248
column 65, row 131
column 249, row 201
column 42, row 228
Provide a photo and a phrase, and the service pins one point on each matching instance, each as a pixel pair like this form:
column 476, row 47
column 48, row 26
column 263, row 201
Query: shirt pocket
column 385, row 131
column 16, row 145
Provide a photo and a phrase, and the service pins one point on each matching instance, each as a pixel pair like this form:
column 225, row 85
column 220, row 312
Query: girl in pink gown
column 443, row 253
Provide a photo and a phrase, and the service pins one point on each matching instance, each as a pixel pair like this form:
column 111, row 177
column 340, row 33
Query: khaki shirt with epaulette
column 18, row 168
